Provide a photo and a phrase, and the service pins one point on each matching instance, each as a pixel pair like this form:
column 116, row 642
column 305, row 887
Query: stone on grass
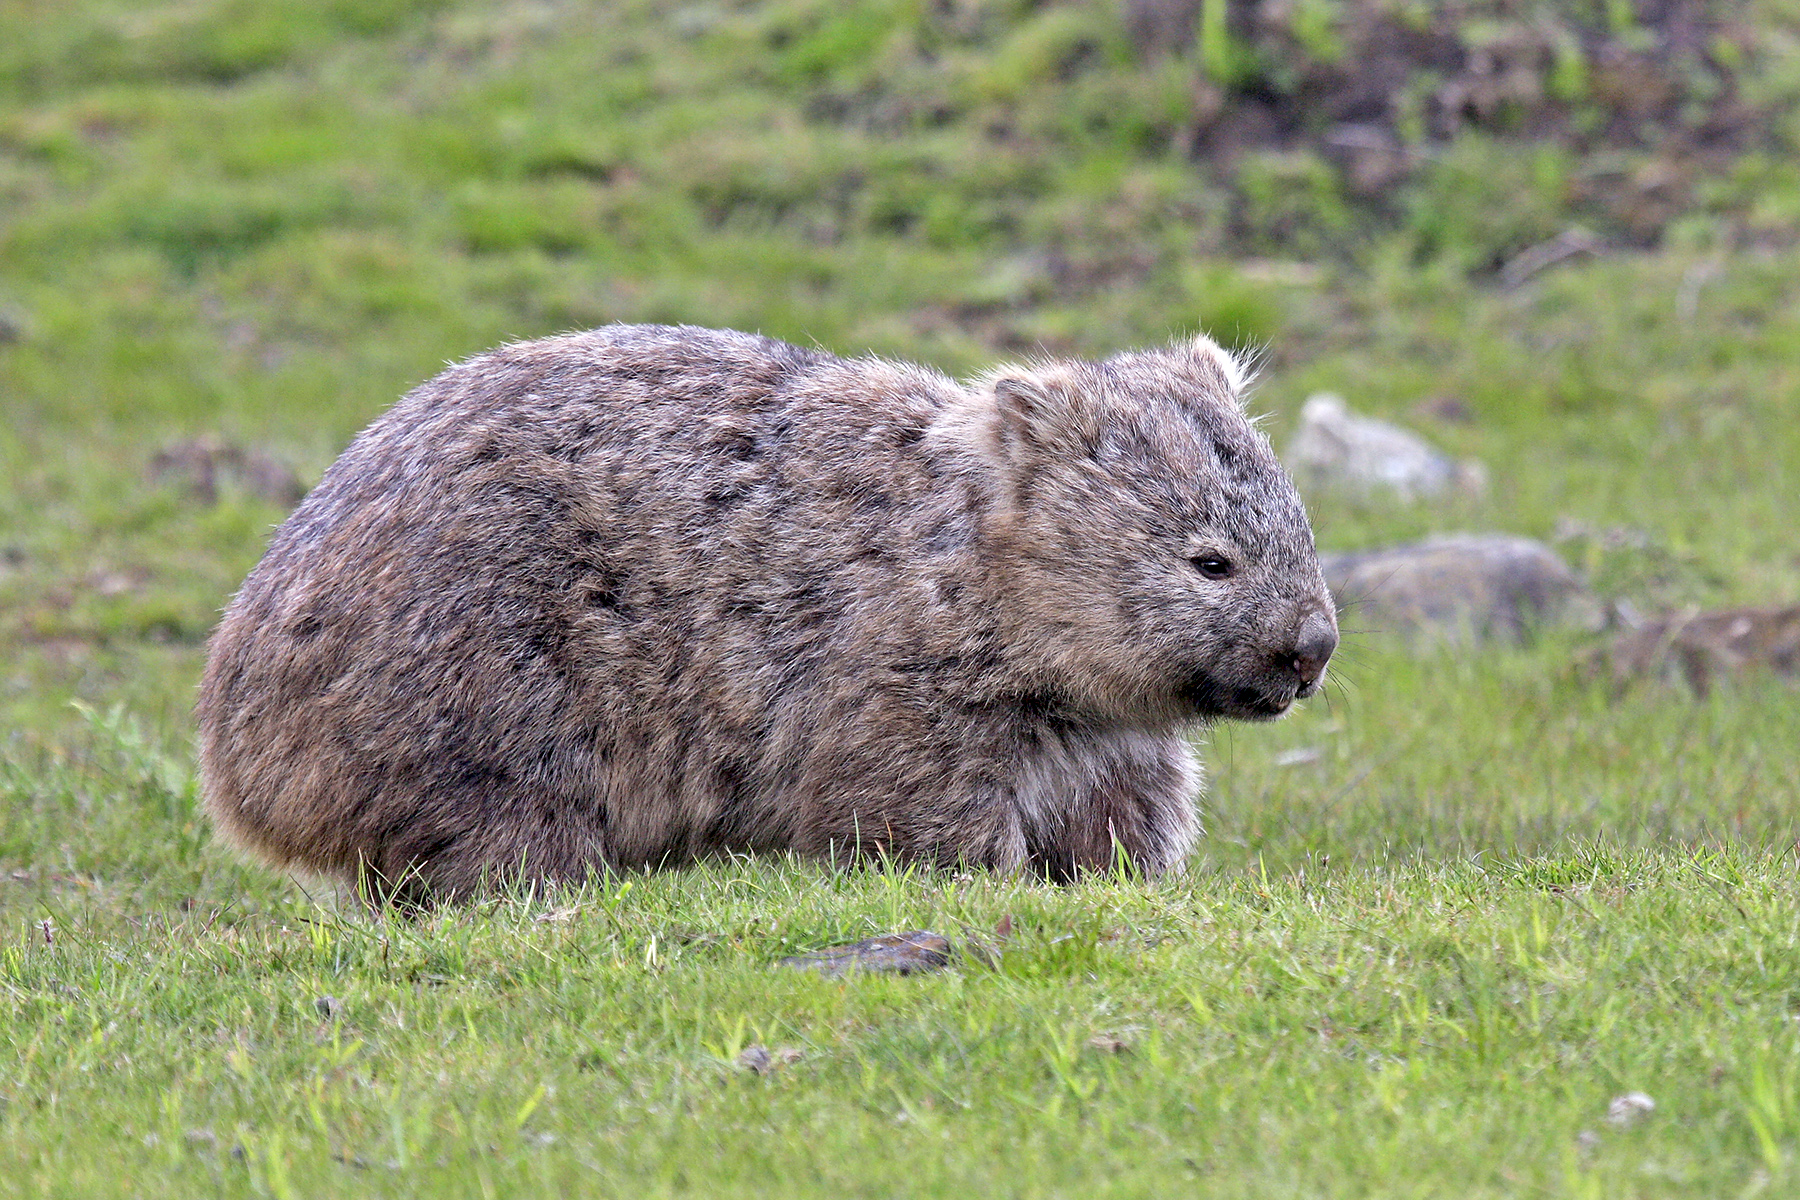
column 1455, row 588
column 760, row 1060
column 1705, row 647
column 896, row 953
column 1629, row 1109
column 1335, row 447
column 199, row 465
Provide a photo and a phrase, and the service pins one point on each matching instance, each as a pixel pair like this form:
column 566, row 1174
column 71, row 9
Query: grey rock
column 760, row 1060
column 1459, row 587
column 1335, row 447
column 898, row 953
column 755, row 1058
column 1703, row 647
column 200, row 465
column 1629, row 1109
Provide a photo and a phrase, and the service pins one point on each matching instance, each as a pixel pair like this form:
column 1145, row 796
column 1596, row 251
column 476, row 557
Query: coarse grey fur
column 620, row 598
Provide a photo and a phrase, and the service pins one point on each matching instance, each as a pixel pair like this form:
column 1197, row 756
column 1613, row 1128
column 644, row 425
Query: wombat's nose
column 1313, row 645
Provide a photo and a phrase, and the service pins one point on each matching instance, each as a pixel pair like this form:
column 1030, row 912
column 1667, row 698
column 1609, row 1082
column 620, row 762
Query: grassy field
column 1442, row 919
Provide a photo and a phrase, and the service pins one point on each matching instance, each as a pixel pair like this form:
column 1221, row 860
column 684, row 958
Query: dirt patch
column 1325, row 118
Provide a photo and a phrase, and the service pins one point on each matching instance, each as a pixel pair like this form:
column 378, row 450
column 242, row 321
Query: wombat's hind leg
column 973, row 833
column 428, row 865
column 419, row 868
column 406, row 895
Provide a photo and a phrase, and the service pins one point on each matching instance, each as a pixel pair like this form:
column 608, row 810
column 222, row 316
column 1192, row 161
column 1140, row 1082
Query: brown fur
column 621, row 598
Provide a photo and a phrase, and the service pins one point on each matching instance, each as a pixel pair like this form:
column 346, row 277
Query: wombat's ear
column 1043, row 413
column 1230, row 369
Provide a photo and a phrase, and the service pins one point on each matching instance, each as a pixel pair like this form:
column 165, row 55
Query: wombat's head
column 1156, row 561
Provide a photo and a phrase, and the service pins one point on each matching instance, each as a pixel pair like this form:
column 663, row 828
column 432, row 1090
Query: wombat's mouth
column 1264, row 708
column 1209, row 697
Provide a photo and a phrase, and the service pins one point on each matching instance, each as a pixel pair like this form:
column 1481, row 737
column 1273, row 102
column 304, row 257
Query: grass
column 1453, row 1028
column 1441, row 918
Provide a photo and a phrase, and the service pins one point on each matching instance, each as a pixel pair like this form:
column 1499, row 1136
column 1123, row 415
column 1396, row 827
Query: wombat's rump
column 620, row 598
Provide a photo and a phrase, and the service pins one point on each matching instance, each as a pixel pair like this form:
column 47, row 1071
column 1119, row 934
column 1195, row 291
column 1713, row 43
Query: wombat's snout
column 1313, row 644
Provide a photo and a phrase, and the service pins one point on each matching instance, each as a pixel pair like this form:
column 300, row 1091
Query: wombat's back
column 547, row 612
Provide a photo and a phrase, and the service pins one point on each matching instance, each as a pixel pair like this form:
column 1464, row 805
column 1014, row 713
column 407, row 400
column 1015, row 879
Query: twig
column 1544, row 255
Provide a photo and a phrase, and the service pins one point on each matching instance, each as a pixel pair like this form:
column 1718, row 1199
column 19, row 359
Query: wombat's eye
column 1213, row 566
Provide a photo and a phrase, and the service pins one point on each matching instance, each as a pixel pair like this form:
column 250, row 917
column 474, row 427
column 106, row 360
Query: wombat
column 617, row 599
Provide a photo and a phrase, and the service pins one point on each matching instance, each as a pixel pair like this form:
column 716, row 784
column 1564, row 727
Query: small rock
column 899, row 953
column 761, row 1060
column 1298, row 757
column 328, row 1007
column 558, row 916
column 1605, row 537
column 1372, row 159
column 1160, row 27
column 1704, row 647
column 116, row 583
column 1454, row 587
column 200, row 464
column 1629, row 1109
column 1448, row 409
column 1335, row 447
column 694, row 20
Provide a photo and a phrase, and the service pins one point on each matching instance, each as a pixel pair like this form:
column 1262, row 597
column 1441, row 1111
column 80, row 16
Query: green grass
column 1440, row 919
column 1453, row 1027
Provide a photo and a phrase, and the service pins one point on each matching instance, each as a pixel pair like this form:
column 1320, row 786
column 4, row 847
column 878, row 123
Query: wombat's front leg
column 952, row 832
column 1133, row 812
